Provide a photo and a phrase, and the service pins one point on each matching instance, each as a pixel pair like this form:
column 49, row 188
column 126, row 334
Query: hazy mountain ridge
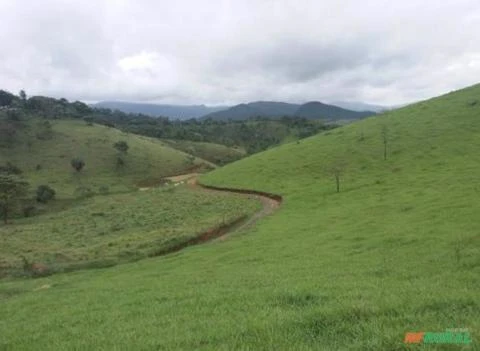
column 272, row 109
column 155, row 110
column 318, row 110
column 310, row 110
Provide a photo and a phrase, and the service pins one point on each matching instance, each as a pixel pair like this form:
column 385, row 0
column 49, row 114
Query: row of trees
column 254, row 135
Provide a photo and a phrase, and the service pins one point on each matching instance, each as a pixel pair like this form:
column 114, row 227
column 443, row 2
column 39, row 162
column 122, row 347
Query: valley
column 376, row 235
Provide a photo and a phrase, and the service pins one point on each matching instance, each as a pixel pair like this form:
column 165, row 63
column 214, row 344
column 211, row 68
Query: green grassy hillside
column 396, row 251
column 105, row 230
column 46, row 159
column 215, row 153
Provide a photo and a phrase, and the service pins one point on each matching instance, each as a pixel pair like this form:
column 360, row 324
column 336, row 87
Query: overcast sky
column 215, row 52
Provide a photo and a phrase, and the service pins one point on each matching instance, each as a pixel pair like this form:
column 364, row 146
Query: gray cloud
column 223, row 51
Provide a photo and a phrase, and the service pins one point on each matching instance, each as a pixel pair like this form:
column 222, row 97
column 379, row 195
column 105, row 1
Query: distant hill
column 172, row 111
column 361, row 106
column 254, row 109
column 310, row 110
column 318, row 110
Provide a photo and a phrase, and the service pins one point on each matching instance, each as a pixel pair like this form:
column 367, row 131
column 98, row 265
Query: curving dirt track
column 270, row 202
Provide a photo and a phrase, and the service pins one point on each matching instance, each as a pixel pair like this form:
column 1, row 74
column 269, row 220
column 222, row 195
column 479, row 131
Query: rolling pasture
column 396, row 250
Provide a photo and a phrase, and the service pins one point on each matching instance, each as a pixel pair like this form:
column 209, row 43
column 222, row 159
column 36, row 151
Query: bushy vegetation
column 77, row 163
column 45, row 193
column 253, row 135
column 12, row 189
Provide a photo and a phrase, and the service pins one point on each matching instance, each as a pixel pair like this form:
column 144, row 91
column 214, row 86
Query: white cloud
column 221, row 51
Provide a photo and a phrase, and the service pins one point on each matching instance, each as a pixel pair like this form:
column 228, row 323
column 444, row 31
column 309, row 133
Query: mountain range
column 272, row 109
column 155, row 110
column 310, row 110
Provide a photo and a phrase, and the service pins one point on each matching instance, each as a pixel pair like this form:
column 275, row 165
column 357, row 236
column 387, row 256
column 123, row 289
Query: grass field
column 396, row 251
column 215, row 153
column 105, row 230
column 47, row 161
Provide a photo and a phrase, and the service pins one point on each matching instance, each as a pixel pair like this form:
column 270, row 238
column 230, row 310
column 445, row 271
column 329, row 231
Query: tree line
column 253, row 135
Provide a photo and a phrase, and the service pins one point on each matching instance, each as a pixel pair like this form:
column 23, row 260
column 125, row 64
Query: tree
column 10, row 168
column 12, row 188
column 44, row 130
column 23, row 95
column 8, row 133
column 77, row 163
column 45, row 194
column 88, row 121
column 337, row 170
column 385, row 140
column 121, row 146
column 6, row 98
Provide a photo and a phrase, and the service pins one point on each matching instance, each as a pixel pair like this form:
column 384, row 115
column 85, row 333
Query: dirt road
column 270, row 203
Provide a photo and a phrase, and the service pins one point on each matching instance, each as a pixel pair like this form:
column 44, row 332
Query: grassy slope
column 215, row 153
column 397, row 250
column 147, row 158
column 108, row 229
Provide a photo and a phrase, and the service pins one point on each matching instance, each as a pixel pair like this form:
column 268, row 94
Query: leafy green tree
column 23, row 95
column 88, row 120
column 45, row 194
column 77, row 163
column 12, row 189
column 121, row 146
column 6, row 98
column 8, row 133
column 10, row 168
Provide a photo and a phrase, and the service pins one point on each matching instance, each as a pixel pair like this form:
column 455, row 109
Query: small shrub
column 77, row 163
column 38, row 167
column 104, row 190
column 190, row 160
column 44, row 131
column 116, row 227
column 88, row 121
column 29, row 210
column 120, row 161
column 45, row 194
column 26, row 264
column 9, row 168
column 83, row 192
column 121, row 146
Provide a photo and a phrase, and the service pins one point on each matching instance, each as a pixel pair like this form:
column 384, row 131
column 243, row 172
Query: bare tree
column 337, row 170
column 385, row 140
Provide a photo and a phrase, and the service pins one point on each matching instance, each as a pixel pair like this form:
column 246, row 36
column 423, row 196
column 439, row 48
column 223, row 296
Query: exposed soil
column 270, row 202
